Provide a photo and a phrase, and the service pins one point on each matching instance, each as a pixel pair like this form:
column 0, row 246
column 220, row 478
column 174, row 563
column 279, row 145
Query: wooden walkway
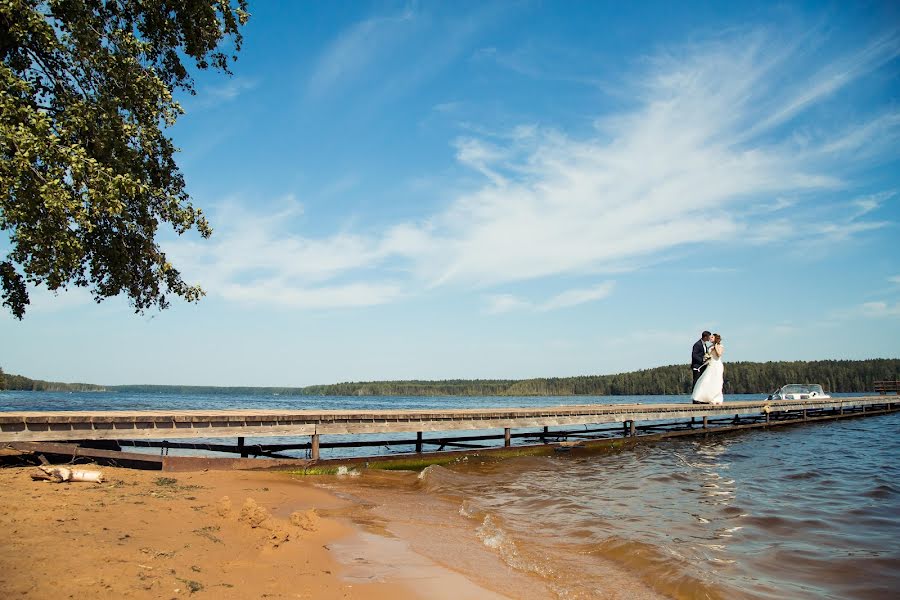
column 69, row 426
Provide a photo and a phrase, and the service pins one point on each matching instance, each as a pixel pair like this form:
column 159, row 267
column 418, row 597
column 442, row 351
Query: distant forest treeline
column 8, row 381
column 740, row 378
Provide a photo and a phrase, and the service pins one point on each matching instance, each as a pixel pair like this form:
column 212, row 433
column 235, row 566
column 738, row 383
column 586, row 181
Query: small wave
column 495, row 538
column 662, row 569
column 490, row 534
column 803, row 475
column 464, row 511
column 880, row 492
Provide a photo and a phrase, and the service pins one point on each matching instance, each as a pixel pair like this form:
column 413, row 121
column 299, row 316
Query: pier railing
column 167, row 429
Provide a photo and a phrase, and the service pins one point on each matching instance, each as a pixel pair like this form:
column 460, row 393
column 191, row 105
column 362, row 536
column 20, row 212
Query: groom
column 698, row 363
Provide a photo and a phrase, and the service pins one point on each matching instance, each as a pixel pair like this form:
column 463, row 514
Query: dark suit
column 697, row 365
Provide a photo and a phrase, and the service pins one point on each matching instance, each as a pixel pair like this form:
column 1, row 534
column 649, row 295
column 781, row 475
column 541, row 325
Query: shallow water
column 806, row 511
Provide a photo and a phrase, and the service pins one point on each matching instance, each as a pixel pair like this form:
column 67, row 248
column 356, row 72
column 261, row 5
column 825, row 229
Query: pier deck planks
column 163, row 424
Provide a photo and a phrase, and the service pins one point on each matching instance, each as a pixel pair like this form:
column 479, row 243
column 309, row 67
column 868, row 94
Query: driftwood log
column 62, row 474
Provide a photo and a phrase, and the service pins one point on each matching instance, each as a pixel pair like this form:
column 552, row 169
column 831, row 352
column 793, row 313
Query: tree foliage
column 87, row 174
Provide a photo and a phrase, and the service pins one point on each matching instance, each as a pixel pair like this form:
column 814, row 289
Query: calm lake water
column 807, row 511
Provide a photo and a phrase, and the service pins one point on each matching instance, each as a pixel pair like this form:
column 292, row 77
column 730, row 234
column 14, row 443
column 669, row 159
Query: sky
column 439, row 190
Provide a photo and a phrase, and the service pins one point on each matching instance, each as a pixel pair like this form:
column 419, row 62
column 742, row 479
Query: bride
column 708, row 389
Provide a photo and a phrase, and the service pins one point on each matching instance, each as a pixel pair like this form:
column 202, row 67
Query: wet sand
column 143, row 534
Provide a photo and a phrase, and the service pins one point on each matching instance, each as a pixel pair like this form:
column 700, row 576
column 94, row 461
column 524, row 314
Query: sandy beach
column 143, row 534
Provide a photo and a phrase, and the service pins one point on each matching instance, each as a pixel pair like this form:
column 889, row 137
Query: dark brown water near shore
column 799, row 512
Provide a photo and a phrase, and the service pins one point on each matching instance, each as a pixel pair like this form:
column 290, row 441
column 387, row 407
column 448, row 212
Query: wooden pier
column 172, row 429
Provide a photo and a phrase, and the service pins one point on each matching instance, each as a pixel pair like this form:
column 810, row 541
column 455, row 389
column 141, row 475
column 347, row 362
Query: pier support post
column 804, row 414
column 546, row 431
column 624, row 428
column 506, row 437
column 705, row 424
column 241, row 448
column 418, row 442
column 631, row 428
column 314, row 447
column 767, row 417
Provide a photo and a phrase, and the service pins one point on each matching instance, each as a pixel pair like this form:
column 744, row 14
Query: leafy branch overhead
column 87, row 173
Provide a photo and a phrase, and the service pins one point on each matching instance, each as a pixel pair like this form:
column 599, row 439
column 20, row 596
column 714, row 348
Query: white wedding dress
column 709, row 387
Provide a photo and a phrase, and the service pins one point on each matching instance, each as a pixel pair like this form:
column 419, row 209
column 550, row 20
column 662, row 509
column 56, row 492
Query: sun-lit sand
column 144, row 534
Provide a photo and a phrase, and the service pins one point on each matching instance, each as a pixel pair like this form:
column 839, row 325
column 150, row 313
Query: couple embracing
column 708, row 369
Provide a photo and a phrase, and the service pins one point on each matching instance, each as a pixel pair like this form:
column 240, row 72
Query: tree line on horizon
column 740, row 378
column 8, row 381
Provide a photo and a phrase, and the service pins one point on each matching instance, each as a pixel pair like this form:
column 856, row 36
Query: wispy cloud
column 353, row 50
column 502, row 303
column 255, row 258
column 706, row 153
column 225, row 92
column 391, row 55
column 880, row 309
column 833, row 76
column 544, row 62
column 866, row 204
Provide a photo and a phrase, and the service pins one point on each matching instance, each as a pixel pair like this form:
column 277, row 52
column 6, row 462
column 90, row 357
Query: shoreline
column 237, row 534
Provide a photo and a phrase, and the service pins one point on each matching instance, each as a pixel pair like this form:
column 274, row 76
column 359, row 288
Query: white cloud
column 502, row 303
column 281, row 293
column 880, row 309
column 580, row 296
column 356, row 48
column 705, row 154
column 867, row 204
column 831, row 77
column 894, row 279
column 225, row 92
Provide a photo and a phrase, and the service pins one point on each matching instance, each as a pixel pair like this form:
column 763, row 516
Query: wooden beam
column 314, row 447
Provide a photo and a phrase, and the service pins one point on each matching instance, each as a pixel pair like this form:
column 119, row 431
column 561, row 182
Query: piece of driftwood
column 574, row 444
column 63, row 474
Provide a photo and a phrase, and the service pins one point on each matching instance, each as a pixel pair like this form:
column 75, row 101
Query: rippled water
column 795, row 512
column 806, row 511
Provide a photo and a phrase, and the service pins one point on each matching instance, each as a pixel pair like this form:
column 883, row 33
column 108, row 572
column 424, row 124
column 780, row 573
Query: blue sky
column 440, row 190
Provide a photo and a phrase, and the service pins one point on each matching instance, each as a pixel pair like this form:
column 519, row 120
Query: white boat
column 799, row 391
